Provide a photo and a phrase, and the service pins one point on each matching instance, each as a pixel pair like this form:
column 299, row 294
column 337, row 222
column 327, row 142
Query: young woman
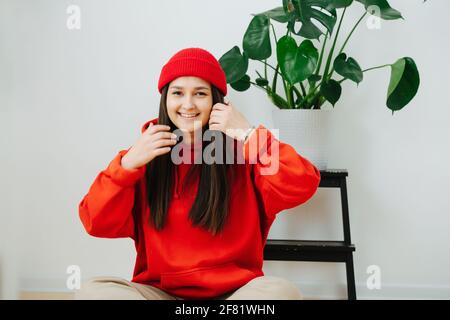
column 199, row 227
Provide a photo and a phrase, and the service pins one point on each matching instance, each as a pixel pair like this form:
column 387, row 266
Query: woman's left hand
column 226, row 118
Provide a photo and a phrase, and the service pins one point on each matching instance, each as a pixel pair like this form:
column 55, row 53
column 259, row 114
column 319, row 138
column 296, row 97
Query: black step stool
column 321, row 251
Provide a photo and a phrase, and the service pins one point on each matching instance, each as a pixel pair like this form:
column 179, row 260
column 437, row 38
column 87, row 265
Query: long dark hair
column 210, row 208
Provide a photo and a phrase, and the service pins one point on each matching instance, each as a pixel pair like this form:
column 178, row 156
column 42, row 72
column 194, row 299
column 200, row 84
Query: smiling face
column 189, row 103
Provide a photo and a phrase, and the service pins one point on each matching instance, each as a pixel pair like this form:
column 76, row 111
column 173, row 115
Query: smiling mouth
column 188, row 115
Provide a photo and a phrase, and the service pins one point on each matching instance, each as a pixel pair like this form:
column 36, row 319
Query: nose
column 188, row 103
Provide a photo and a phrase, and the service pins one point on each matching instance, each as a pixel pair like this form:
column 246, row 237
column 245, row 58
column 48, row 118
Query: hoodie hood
column 145, row 125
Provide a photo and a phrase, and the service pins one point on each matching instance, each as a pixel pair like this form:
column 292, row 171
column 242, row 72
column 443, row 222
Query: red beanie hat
column 194, row 62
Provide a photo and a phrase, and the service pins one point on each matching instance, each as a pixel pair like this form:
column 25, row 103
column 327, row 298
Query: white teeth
column 185, row 115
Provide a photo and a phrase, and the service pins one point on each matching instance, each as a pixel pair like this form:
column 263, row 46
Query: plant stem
column 373, row 68
column 277, row 72
column 348, row 38
column 286, row 90
column 275, row 78
column 265, row 69
column 303, row 89
column 317, row 87
column 290, row 96
column 274, row 34
column 274, row 81
column 311, row 93
column 259, row 75
column 379, row 67
column 330, row 55
column 270, row 66
column 351, row 32
column 299, row 95
column 321, row 54
column 256, row 85
column 319, row 65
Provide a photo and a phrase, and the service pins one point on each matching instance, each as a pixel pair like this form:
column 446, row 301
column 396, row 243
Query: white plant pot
column 306, row 131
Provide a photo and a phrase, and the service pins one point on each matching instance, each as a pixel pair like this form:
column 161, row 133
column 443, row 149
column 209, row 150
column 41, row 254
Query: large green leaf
column 256, row 42
column 296, row 63
column 242, row 84
column 305, row 11
column 276, row 14
column 404, row 83
column 331, row 90
column 234, row 64
column 385, row 10
column 348, row 68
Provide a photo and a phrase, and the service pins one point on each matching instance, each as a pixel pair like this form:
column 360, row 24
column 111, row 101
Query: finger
column 165, row 143
column 149, row 127
column 164, row 135
column 157, row 128
column 214, row 121
column 215, row 116
column 162, row 151
column 214, row 127
column 217, row 113
column 219, row 106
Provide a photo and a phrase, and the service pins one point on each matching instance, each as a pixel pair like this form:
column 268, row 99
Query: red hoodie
column 186, row 260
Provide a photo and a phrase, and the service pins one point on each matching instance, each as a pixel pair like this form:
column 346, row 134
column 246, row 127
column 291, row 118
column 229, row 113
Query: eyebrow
column 196, row 88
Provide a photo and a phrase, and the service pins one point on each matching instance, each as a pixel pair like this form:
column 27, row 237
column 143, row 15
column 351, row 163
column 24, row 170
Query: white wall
column 69, row 100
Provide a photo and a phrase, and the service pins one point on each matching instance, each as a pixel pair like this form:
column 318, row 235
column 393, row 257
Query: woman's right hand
column 155, row 141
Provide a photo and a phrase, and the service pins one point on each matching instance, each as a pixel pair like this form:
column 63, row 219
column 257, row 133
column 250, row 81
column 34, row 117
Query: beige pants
column 113, row 288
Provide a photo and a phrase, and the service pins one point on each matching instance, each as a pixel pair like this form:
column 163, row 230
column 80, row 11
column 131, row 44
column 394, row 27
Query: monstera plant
column 310, row 74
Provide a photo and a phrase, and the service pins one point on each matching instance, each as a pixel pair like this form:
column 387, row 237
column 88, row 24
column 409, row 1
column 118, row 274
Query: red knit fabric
column 194, row 62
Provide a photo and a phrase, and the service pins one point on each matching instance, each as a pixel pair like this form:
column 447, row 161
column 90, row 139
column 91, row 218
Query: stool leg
column 351, row 288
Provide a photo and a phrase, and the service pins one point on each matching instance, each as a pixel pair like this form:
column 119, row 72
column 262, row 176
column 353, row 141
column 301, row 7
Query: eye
column 180, row 93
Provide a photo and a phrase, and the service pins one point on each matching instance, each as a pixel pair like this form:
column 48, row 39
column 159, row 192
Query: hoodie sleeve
column 283, row 178
column 106, row 210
